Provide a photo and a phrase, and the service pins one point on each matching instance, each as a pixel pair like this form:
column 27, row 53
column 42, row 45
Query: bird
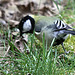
column 52, row 27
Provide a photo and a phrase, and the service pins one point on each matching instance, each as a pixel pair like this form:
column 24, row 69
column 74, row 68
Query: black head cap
column 23, row 20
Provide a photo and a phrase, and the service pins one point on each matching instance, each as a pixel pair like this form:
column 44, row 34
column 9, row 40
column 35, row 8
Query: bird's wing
column 61, row 26
column 42, row 21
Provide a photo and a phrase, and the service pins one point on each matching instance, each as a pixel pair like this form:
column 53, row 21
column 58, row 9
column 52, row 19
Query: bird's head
column 26, row 25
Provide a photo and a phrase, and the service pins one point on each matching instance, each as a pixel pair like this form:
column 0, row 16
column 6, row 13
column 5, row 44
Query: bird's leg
column 64, row 48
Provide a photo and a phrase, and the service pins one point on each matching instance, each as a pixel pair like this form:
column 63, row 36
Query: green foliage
column 40, row 60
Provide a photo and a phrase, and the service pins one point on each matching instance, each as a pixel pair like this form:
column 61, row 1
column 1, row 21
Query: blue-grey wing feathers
column 61, row 26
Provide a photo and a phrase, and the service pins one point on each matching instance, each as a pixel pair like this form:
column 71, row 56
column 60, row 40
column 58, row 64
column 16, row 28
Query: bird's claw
column 67, row 52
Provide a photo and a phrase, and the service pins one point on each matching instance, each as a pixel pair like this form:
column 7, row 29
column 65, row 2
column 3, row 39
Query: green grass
column 39, row 60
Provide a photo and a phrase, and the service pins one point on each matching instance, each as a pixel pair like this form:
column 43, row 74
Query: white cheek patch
column 27, row 26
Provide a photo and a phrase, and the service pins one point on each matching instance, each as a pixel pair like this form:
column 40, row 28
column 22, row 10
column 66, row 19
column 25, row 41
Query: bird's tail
column 69, row 32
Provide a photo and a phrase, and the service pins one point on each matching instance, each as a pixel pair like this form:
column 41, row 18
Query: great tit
column 52, row 27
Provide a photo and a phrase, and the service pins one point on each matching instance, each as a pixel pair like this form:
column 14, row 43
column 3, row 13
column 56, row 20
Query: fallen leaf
column 26, row 7
column 20, row 44
column 4, row 1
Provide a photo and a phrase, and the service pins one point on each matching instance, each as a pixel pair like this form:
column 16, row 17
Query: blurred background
column 11, row 12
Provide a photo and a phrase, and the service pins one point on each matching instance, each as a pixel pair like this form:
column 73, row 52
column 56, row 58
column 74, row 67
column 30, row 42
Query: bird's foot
column 67, row 52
